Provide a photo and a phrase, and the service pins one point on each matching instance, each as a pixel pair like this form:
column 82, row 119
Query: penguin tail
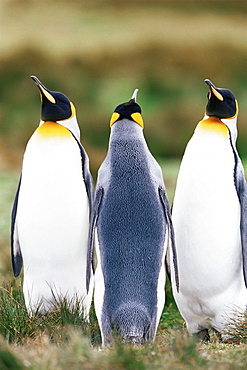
column 132, row 323
column 133, row 336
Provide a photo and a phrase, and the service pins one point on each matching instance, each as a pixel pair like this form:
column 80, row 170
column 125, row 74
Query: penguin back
column 131, row 230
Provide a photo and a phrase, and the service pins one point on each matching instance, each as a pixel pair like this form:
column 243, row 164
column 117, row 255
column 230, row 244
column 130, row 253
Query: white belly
column 206, row 219
column 52, row 220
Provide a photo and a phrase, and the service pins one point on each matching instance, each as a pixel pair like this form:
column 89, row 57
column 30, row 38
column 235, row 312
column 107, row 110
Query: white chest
column 53, row 206
column 207, row 168
column 206, row 209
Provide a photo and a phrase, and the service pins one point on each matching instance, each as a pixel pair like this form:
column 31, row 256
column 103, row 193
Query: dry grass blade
column 236, row 329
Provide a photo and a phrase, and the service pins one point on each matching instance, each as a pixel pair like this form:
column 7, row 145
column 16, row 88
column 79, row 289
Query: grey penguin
column 51, row 211
column 131, row 226
column 210, row 221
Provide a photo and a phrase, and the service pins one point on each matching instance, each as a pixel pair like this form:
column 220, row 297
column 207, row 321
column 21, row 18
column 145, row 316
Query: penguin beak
column 44, row 92
column 136, row 116
column 134, row 96
column 213, row 90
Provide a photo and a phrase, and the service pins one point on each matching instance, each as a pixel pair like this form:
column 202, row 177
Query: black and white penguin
column 50, row 217
column 210, row 220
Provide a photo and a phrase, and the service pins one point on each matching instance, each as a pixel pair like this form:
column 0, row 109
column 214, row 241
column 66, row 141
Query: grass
column 16, row 326
column 61, row 339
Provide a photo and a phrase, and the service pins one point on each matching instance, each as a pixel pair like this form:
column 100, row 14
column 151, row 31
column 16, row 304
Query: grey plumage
column 131, row 214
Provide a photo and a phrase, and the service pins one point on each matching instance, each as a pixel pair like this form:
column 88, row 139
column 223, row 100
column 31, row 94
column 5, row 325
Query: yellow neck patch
column 52, row 129
column 114, row 118
column 138, row 119
column 135, row 116
column 213, row 124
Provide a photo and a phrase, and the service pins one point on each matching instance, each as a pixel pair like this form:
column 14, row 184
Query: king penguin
column 209, row 218
column 131, row 224
column 51, row 211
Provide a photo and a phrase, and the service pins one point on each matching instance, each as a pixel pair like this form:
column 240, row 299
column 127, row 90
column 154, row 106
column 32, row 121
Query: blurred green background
column 98, row 52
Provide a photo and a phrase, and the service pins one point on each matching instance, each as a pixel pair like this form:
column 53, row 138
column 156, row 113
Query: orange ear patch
column 213, row 124
column 52, row 129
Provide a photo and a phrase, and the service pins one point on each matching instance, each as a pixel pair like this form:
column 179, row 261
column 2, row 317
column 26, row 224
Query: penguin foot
column 202, row 336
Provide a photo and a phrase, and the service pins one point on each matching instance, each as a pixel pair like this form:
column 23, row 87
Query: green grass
column 16, row 326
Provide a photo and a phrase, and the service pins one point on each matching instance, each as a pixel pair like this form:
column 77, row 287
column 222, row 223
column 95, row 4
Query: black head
column 130, row 110
column 221, row 102
column 55, row 105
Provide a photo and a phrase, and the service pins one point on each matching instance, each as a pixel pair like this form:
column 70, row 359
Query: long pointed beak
column 43, row 90
column 214, row 90
column 134, row 96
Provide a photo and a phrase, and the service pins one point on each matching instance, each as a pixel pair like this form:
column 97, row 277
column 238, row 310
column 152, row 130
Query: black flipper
column 16, row 255
column 167, row 264
column 86, row 172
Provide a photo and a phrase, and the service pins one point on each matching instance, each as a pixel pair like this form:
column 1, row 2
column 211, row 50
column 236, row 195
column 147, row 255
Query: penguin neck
column 127, row 148
column 126, row 130
column 51, row 129
column 230, row 123
column 71, row 124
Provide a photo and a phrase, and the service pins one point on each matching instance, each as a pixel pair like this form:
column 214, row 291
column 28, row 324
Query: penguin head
column 55, row 105
column 221, row 102
column 129, row 110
